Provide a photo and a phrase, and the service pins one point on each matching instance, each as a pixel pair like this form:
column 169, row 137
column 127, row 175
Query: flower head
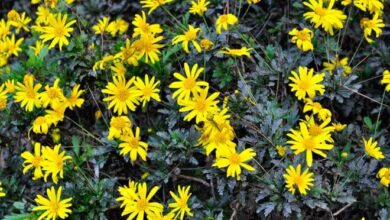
column 306, row 83
column 74, row 99
column 54, row 161
column 244, row 51
column 2, row 194
column 142, row 27
column 27, row 93
column 132, row 145
column 180, row 206
column 119, row 126
column 52, row 95
column 337, row 63
column 302, row 38
column 199, row 7
column 386, row 79
column 372, row 149
column 370, row 26
column 295, row 179
column 384, row 175
column 33, row 161
column 224, row 21
column 147, row 89
column 102, row 25
column 153, row 4
column 58, row 30
column 53, row 206
column 189, row 36
column 234, row 161
column 148, row 47
column 281, row 150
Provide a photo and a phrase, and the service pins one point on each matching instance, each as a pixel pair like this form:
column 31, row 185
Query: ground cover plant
column 194, row 109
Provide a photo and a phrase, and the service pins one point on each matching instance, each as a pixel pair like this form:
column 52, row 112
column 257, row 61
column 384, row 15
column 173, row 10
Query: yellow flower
column 133, row 146
column 11, row 46
column 101, row 64
column 317, row 108
column 53, row 163
column 102, row 25
column 338, row 126
column 206, row 44
column 21, row 22
column 328, row 18
column 224, row 21
column 127, row 193
column 234, row 161
column 369, row 26
column 5, row 28
column 281, row 150
column 180, row 206
column 188, row 37
column 58, row 30
column 53, row 206
column 140, row 204
column 51, row 3
column 199, row 7
column 187, row 83
column 253, row 1
column 74, row 99
column 43, row 14
column 142, row 27
column 386, row 79
column 118, row 69
column 295, row 179
column 2, row 194
column 56, row 114
column 153, row 4
column 372, row 149
column 148, row 47
column 119, row 26
column 13, row 15
column 302, row 38
column 27, row 94
column 237, row 52
column 98, row 115
column 3, row 97
column 121, row 95
column 161, row 216
column 220, row 139
column 146, row 89
column 41, row 125
column 38, row 47
column 302, row 141
column 33, row 161
column 373, row 6
column 119, row 126
column 306, row 83
column 128, row 54
column 337, row 63
column 52, row 95
column 384, row 175
column 320, row 129
column 56, row 135
column 199, row 105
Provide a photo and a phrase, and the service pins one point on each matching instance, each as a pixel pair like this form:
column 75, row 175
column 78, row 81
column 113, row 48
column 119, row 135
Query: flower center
column 235, row 159
column 320, row 11
column 182, row 203
column 36, row 161
column 189, row 83
column 122, row 94
column 315, row 130
column 200, row 105
column 52, row 93
column 190, row 35
column 303, row 36
column 118, row 123
column 304, row 84
column 59, row 31
column 147, row 91
column 224, row 18
column 142, row 204
column 298, row 180
column 308, row 144
column 40, row 120
column 134, row 143
column 30, row 93
column 54, row 207
column 317, row 106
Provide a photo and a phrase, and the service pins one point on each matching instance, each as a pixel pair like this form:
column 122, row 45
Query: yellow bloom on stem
column 54, row 207
column 316, row 108
column 101, row 64
column 373, row 6
column 13, row 15
column 51, row 3
column 128, row 54
column 149, row 48
column 302, row 38
column 386, row 79
column 253, row 1
column 21, row 22
column 140, row 203
column 121, row 95
column 10, row 85
column 41, row 125
column 199, row 7
column 220, row 140
column 301, row 141
column 237, row 52
column 118, row 69
column 119, row 126
column 43, row 14
column 322, row 129
column 338, row 126
column 336, row 63
column 180, row 206
column 27, row 93
column 306, row 83
column 224, row 21
column 142, row 27
column 234, row 161
column 384, row 175
column 188, row 37
column 53, row 163
column 187, row 83
column 56, row 114
column 2, row 194
column 39, row 45
column 5, row 28
column 295, row 179
column 369, row 26
column 281, row 150
column 74, row 99
column 153, row 4
column 11, row 46
column 127, row 193
column 119, row 26
column 33, row 161
column 102, row 25
column 372, row 149
column 52, row 95
column 3, row 97
column 199, row 105
column 57, row 30
column 147, row 89
column 206, row 44
column 132, row 145
column 328, row 18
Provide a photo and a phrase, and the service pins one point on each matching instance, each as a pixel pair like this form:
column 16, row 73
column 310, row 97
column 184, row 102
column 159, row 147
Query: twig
column 343, row 208
column 194, row 179
column 369, row 98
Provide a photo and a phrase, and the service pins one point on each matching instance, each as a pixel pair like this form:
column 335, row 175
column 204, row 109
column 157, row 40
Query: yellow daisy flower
column 3, row 97
column 386, row 79
column 153, row 4
column 237, row 52
column 52, row 95
column 38, row 47
column 54, row 207
column 128, row 54
column 54, row 162
column 206, row 44
column 142, row 27
column 149, row 48
column 317, row 108
column 372, row 25
column 74, row 99
column 336, row 63
column 306, row 83
column 199, row 7
column 121, row 95
column 281, row 150
column 102, row 25
column 234, row 161
column 127, row 193
column 302, row 38
column 189, row 36
column 118, row 69
column 384, row 175
column 119, row 26
column 295, row 179
column 180, row 206
column 12, row 46
column 27, row 93
column 119, row 126
column 58, row 30
column 147, row 89
column 10, row 86
column 133, row 146
column 5, row 28
column 41, row 125
column 338, row 126
column 33, row 161
column 372, row 149
column 224, row 21
column 21, row 22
